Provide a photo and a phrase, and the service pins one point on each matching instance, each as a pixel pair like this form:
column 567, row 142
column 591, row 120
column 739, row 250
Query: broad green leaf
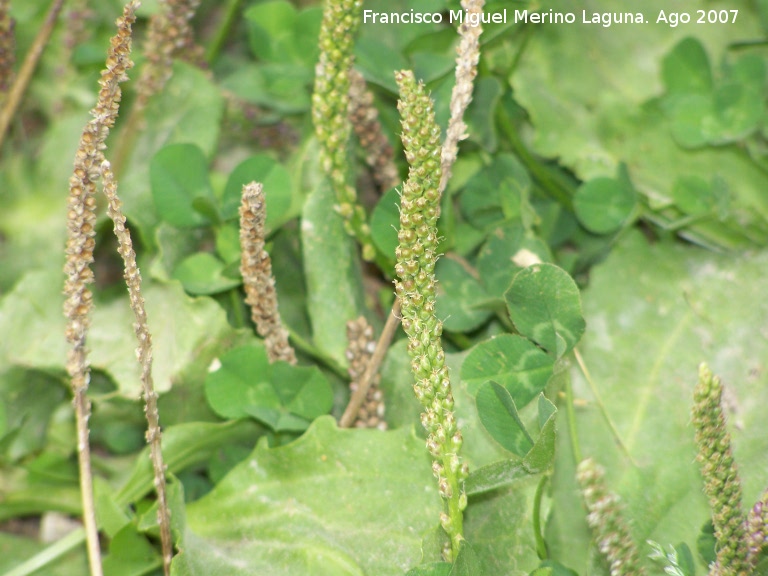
column 27, row 402
column 499, row 416
column 131, row 554
column 280, row 33
column 285, row 88
column 685, row 69
column 603, row 205
column 505, row 473
column 181, row 328
column 187, row 111
column 468, row 562
column 459, row 297
column 385, row 222
column 655, row 312
column 302, row 508
column 332, row 269
column 554, row 568
column 615, row 115
column 432, row 569
column 246, row 383
column 508, row 250
column 514, row 362
column 179, row 175
column 277, row 188
column 498, row 192
column 15, row 548
column 184, row 445
column 481, row 112
column 543, row 302
column 203, row 274
column 697, row 197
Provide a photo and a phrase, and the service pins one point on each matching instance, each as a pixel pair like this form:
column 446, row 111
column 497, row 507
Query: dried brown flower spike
column 359, row 353
column 256, row 268
column 144, row 354
column 81, row 219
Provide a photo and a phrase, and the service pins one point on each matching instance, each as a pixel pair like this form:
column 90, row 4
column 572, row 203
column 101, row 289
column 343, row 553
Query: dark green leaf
column 499, row 415
column 333, row 276
column 459, row 297
column 301, row 508
column 277, row 188
column 507, row 250
column 131, row 554
column 603, row 205
column 544, row 304
column 203, row 274
column 468, row 562
column 433, row 569
column 247, row 384
column 179, row 175
column 686, row 68
column 385, row 222
column 281, row 87
column 514, row 362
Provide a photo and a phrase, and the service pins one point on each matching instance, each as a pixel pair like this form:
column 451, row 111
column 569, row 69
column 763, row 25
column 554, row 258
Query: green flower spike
column 330, row 106
column 416, row 257
column 721, row 479
column 606, row 518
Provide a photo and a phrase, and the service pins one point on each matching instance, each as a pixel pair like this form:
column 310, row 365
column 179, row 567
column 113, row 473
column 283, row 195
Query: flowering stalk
column 81, row 219
column 722, row 484
column 256, row 268
column 365, row 121
column 21, row 81
column 330, row 106
column 360, row 354
column 757, row 528
column 7, row 48
column 416, row 288
column 132, row 277
column 607, row 522
column 468, row 56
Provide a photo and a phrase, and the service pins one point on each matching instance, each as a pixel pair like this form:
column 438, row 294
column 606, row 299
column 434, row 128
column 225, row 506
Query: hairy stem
column 81, row 220
column 416, row 288
column 144, row 354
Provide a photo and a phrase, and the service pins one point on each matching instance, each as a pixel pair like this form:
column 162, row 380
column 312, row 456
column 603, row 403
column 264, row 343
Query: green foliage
column 281, row 396
column 568, row 334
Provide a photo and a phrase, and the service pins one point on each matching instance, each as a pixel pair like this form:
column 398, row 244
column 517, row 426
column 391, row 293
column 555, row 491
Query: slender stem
column 28, row 68
column 541, row 544
column 358, row 397
column 304, row 345
column 223, row 31
column 83, row 412
column 557, row 190
column 49, row 554
column 601, row 406
column 571, row 413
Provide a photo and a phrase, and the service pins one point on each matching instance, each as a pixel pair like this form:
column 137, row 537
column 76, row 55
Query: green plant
column 597, row 205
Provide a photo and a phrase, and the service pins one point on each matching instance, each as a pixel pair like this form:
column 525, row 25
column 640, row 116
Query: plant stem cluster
column 721, row 479
column 607, row 521
column 416, row 288
column 330, row 112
